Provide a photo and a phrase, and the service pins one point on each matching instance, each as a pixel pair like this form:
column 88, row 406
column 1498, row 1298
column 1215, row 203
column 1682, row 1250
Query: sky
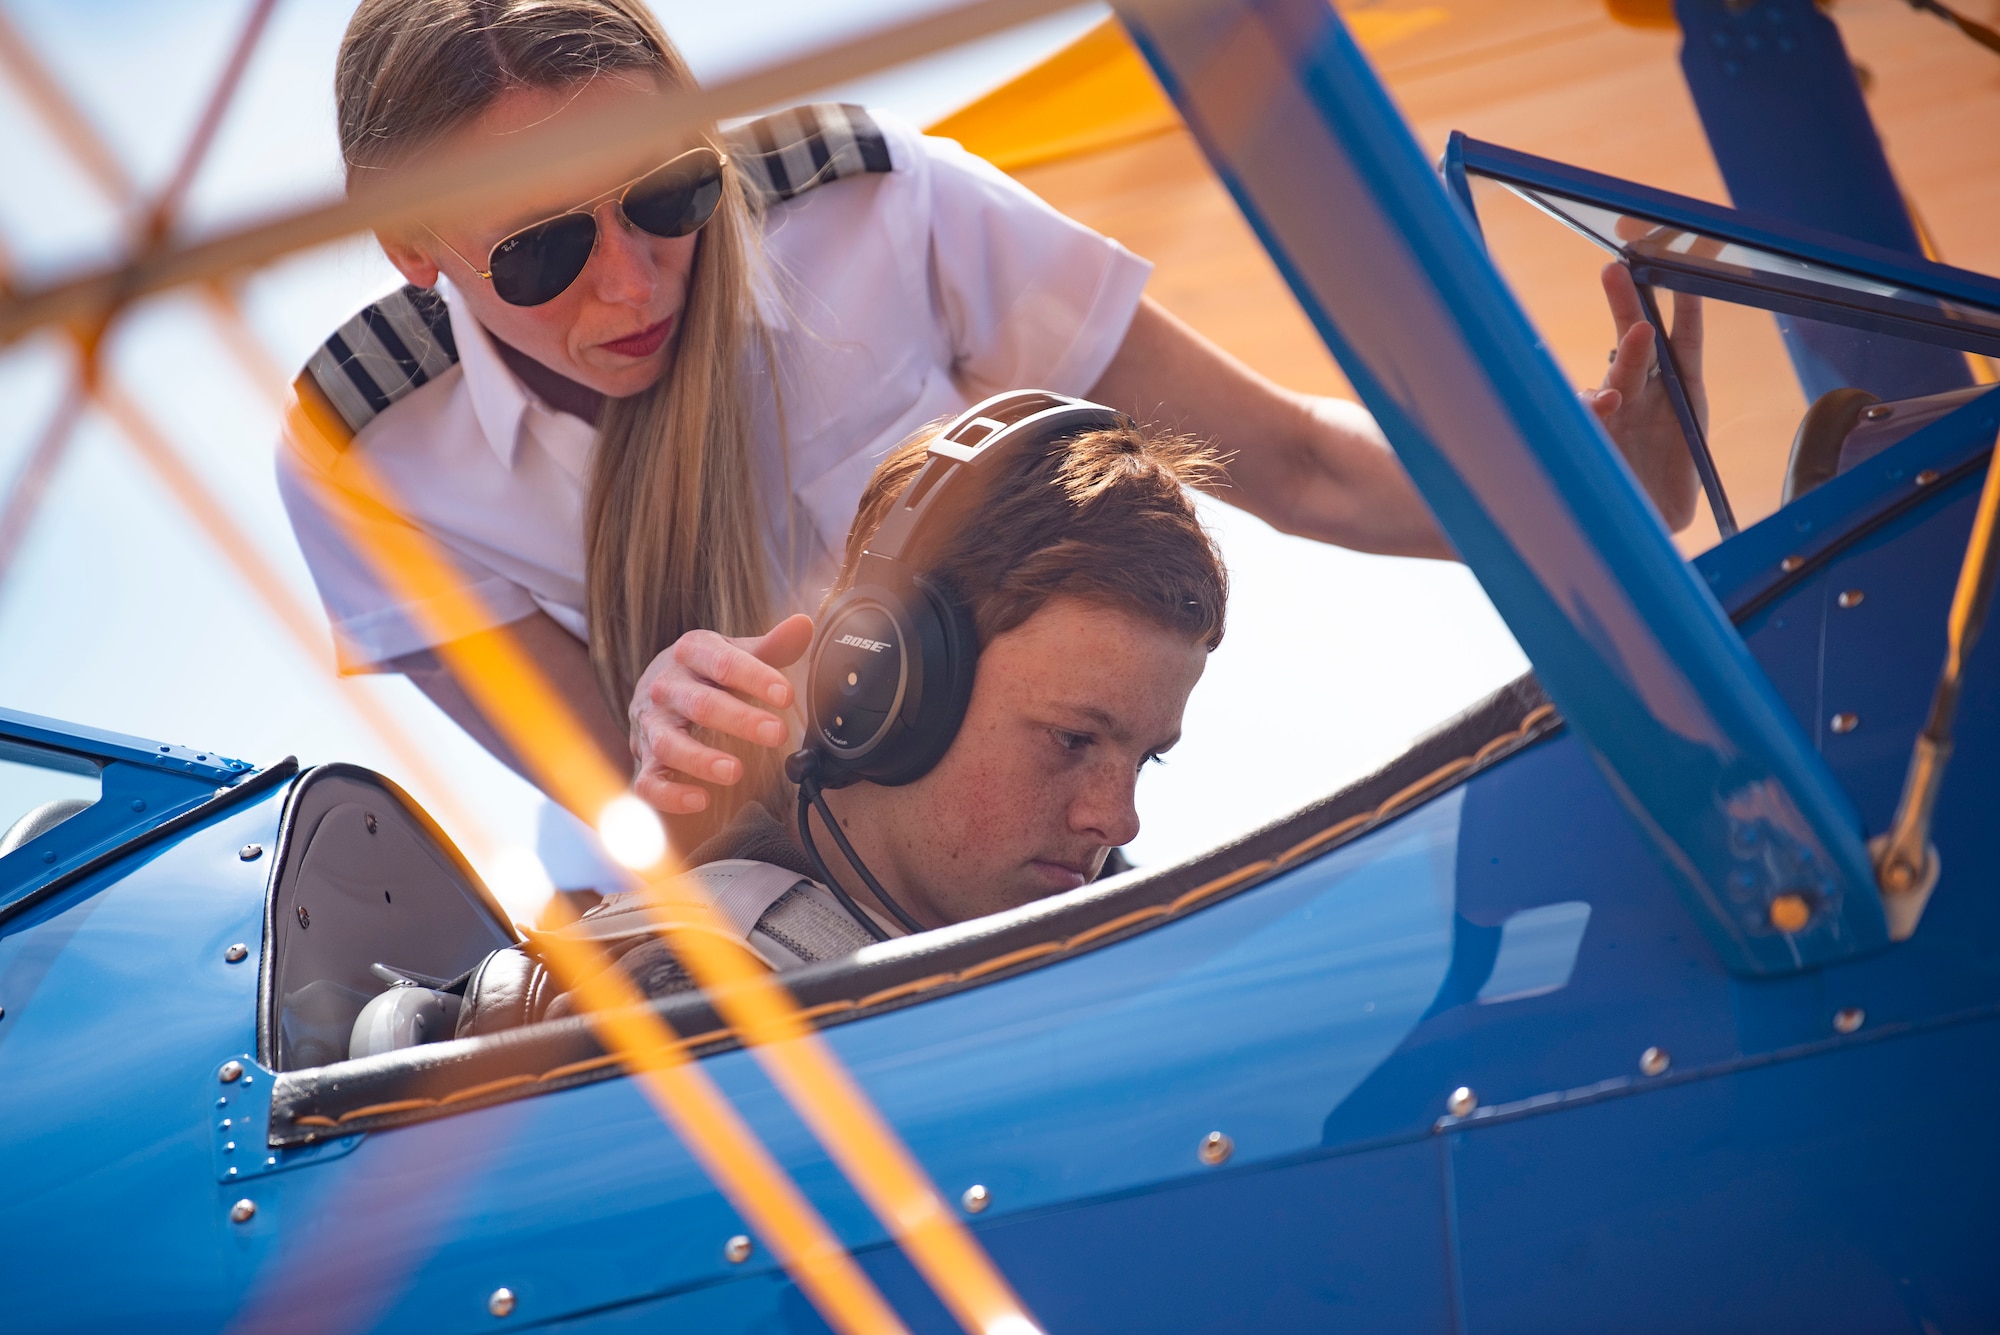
column 120, row 613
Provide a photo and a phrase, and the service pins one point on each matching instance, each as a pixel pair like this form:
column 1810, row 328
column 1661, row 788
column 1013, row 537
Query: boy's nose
column 1107, row 810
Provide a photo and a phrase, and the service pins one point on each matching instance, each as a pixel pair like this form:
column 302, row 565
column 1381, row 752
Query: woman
column 668, row 397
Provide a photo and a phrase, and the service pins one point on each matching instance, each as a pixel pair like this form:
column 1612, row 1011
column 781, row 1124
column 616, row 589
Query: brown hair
column 1105, row 516
column 674, row 533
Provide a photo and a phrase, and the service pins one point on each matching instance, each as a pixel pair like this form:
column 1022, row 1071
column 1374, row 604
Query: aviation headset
column 891, row 665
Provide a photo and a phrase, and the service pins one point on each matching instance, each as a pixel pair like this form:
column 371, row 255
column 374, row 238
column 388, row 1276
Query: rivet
column 1462, row 1102
column 227, row 1122
column 49, row 856
column 243, row 1211
column 1848, row 1019
column 3, row 1012
column 737, row 1250
column 1215, row 1148
column 975, row 1199
column 1925, row 478
column 1790, row 913
column 1876, row 412
column 1791, row 563
column 231, row 1072
column 368, row 819
column 501, row 1303
column 138, row 804
column 236, row 953
column 250, row 852
column 305, row 919
column 1850, row 597
column 1844, row 722
column 1655, row 1061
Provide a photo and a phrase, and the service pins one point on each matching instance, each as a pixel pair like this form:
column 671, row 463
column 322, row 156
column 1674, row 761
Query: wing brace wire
column 1906, row 862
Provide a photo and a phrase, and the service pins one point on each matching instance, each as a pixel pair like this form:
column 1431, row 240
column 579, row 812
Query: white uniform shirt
column 906, row 296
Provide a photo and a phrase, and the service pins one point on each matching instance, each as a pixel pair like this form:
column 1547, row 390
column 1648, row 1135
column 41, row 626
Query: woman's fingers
column 785, row 643
column 711, row 682
column 726, row 663
column 658, row 789
column 668, row 743
column 1622, row 295
column 705, row 706
column 1632, row 362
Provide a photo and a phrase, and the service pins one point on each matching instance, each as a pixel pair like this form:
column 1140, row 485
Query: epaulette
column 789, row 152
column 390, row 348
column 404, row 341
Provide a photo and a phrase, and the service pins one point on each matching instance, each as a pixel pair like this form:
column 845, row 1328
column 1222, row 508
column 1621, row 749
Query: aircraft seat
column 1847, row 426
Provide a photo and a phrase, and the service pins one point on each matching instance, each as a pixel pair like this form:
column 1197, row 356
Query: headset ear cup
column 947, row 657
column 932, row 651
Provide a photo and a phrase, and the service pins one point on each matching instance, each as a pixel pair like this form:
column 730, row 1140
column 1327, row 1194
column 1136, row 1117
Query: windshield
column 1882, row 360
column 39, row 789
column 1693, row 261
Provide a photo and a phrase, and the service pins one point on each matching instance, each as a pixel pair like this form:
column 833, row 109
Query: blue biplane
column 1596, row 1010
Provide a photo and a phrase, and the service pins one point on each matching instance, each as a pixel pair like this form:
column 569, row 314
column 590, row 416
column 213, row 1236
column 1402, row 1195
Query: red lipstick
column 644, row 343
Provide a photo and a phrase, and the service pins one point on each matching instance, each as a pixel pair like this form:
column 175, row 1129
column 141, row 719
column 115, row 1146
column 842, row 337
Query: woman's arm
column 1321, row 468
column 564, row 663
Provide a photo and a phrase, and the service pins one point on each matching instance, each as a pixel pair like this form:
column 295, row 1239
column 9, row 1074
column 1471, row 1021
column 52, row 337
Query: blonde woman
column 639, row 421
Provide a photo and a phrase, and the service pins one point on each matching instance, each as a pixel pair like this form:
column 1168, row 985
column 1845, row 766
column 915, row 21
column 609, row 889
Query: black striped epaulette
column 403, row 341
column 390, row 348
column 789, row 152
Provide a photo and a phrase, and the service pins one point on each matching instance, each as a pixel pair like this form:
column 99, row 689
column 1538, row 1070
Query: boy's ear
column 412, row 261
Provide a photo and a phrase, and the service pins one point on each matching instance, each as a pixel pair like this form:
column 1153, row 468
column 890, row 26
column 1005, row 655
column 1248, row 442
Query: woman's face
column 614, row 328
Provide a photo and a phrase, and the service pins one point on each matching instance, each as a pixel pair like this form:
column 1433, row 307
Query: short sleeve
column 371, row 623
column 1031, row 298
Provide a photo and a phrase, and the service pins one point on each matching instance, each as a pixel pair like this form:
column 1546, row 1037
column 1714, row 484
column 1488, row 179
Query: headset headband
column 972, row 445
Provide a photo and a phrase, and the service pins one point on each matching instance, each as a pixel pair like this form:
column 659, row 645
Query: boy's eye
column 1070, row 741
column 1151, row 758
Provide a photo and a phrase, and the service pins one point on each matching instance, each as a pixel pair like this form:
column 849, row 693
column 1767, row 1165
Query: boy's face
column 1038, row 784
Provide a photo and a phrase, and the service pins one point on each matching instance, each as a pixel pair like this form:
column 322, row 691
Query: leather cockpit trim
column 436, row 1079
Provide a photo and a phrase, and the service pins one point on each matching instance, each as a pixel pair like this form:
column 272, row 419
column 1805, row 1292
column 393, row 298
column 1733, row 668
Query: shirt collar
column 498, row 400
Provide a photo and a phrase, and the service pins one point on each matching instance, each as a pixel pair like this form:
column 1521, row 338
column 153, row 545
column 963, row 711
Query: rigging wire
column 1906, row 862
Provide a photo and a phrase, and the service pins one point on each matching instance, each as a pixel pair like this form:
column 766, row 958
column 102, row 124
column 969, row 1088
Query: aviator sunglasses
column 537, row 263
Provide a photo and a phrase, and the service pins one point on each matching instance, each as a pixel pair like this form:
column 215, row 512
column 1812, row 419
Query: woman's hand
column 706, row 680
column 1633, row 403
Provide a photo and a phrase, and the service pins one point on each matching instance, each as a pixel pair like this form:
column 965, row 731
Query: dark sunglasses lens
column 534, row 266
column 678, row 198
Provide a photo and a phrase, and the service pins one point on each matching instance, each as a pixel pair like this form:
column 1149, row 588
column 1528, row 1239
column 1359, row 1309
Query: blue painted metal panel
column 1855, row 1185
column 1319, row 1019
column 120, row 1008
column 1783, row 112
column 119, row 746
column 1749, row 568
column 1631, row 647
column 144, row 785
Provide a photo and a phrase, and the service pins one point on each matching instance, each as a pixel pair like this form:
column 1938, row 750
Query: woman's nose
column 622, row 269
column 1106, row 809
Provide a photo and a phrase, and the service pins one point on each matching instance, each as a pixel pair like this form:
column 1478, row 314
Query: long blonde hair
column 674, row 534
